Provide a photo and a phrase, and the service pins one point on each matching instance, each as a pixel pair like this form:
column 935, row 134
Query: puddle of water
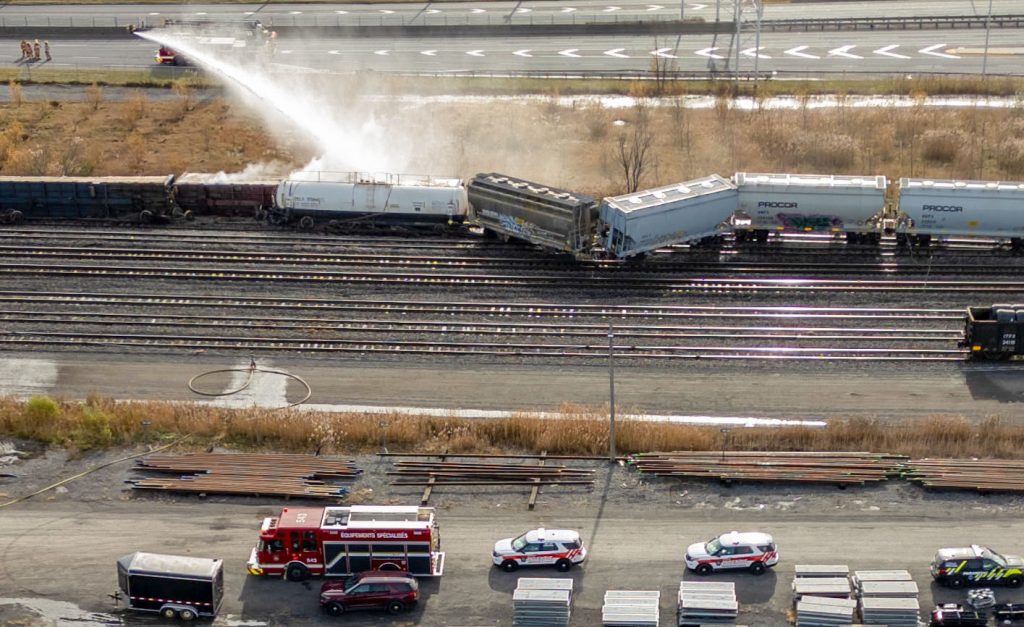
column 59, row 613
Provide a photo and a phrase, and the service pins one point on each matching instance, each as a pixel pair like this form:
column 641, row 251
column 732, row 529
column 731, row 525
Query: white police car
column 560, row 548
column 752, row 550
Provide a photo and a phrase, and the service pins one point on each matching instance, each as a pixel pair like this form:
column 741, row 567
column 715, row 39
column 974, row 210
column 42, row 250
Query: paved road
column 916, row 51
column 715, row 390
column 60, row 556
column 557, row 11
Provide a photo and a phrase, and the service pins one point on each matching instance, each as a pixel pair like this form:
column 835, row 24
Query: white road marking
column 287, row 51
column 610, row 9
column 27, row 377
column 663, row 52
column 341, row 12
column 568, row 9
column 931, row 50
column 696, row 7
column 617, row 53
column 475, row 53
column 382, row 53
column 799, row 52
column 523, row 53
column 709, row 52
column 432, row 11
column 885, row 51
column 478, row 10
column 154, row 13
column 654, row 7
column 523, row 10
column 201, row 13
column 429, row 53
column 844, row 51
column 755, row 52
column 386, row 11
column 334, row 52
column 294, row 12
column 571, row 52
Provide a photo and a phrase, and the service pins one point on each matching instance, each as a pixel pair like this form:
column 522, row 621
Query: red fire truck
column 335, row 541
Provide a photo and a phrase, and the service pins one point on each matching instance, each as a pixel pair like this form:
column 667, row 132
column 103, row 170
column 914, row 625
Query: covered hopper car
column 325, row 198
column 552, row 218
column 851, row 205
column 995, row 332
column 686, row 212
column 930, row 208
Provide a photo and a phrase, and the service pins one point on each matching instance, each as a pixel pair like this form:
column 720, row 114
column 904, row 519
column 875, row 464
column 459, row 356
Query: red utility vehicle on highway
column 335, row 541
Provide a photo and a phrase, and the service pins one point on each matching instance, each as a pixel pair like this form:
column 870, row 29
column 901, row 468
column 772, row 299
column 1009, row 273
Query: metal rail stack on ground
column 983, row 475
column 248, row 474
column 842, row 469
column 431, row 474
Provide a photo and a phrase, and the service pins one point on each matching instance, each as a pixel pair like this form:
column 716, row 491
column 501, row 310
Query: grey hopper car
column 142, row 198
column 172, row 585
column 961, row 208
column 995, row 332
column 686, row 212
column 513, row 208
column 810, row 203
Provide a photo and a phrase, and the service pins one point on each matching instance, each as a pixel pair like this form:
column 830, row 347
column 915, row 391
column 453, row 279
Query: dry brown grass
column 100, row 422
column 569, row 144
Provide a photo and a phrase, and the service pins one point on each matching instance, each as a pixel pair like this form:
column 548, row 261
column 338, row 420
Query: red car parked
column 391, row 590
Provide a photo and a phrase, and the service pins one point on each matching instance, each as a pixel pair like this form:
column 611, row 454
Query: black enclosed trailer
column 173, row 585
column 553, row 218
column 995, row 332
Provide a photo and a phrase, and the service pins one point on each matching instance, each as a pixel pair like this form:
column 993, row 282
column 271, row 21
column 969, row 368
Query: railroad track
column 463, row 262
column 510, row 330
column 74, row 339
column 620, row 282
column 485, row 309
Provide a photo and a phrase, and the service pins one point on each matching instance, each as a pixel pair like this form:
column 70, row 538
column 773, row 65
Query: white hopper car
column 961, row 208
column 322, row 198
column 637, row 223
column 853, row 205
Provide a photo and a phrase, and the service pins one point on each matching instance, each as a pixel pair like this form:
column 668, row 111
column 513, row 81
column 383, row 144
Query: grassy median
column 100, row 423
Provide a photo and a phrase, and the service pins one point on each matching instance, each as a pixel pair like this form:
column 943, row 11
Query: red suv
column 390, row 590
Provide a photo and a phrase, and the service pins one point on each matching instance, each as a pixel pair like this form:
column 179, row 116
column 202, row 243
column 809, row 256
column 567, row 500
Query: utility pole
column 984, row 59
column 611, row 393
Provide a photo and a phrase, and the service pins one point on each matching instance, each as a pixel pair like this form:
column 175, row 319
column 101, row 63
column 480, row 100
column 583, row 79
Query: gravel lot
column 636, row 530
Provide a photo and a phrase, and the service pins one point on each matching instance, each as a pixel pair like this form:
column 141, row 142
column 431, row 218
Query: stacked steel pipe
column 983, row 475
column 804, row 467
column 248, row 474
column 473, row 473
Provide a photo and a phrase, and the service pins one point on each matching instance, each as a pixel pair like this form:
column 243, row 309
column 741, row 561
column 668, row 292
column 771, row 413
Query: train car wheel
column 189, row 216
column 16, row 217
column 306, row 223
column 146, row 216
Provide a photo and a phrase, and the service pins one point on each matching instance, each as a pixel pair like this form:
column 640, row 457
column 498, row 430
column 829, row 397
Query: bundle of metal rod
column 845, row 468
column 983, row 475
column 475, row 473
column 248, row 474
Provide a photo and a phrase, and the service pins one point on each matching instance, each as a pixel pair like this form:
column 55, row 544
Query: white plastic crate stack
column 631, row 608
column 707, row 603
column 542, row 602
column 887, row 597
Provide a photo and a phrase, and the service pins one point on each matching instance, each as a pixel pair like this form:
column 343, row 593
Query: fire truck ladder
column 744, row 20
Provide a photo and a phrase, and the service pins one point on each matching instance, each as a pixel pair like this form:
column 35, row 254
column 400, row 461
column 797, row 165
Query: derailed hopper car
column 853, row 205
column 995, row 332
column 544, row 216
column 961, row 208
column 174, row 586
column 142, row 198
column 687, row 212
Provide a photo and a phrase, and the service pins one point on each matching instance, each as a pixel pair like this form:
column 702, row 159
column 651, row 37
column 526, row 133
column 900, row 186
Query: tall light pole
column 611, row 393
column 984, row 58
